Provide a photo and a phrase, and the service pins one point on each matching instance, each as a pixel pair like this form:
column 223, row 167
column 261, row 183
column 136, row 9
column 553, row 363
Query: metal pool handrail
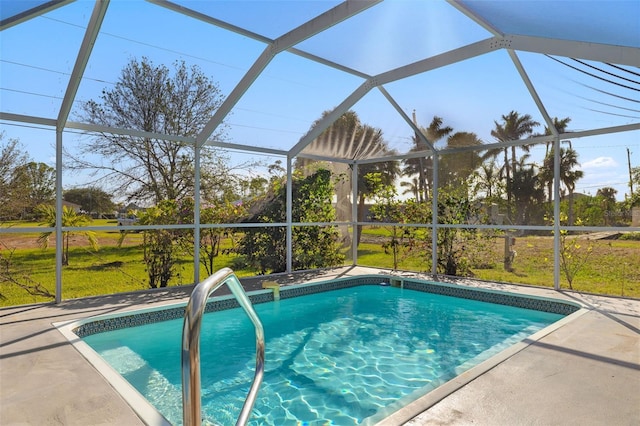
column 191, row 401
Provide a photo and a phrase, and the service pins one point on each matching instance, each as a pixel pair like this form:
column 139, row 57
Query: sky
column 37, row 57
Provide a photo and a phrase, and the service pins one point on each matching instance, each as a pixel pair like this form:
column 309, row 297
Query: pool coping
column 151, row 416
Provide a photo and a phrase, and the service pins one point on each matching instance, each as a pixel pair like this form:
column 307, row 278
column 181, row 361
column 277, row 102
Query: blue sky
column 38, row 56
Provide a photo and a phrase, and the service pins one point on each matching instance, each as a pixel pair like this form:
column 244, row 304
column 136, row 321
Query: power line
column 606, row 72
column 608, row 93
column 35, row 67
column 592, row 75
column 623, row 69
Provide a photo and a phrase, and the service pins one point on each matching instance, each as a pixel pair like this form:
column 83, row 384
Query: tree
column 12, row 157
column 528, row 194
column 546, row 172
column 561, row 127
column 487, row 180
column 91, row 200
column 348, row 137
column 512, row 128
column 607, row 196
column 458, row 249
column 634, row 186
column 422, row 167
column 411, row 187
column 573, row 256
column 70, row 218
column 162, row 247
column 211, row 237
column 456, row 168
column 33, row 184
column 568, row 176
column 386, row 208
column 313, row 246
column 153, row 99
column 39, row 181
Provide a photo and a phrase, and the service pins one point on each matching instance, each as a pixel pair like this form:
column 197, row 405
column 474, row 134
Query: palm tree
column 348, row 138
column 568, row 177
column 513, row 127
column 527, row 190
column 423, row 166
column 561, row 127
column 456, row 168
column 608, row 196
column 69, row 218
column 411, row 187
column 487, row 180
column 546, row 174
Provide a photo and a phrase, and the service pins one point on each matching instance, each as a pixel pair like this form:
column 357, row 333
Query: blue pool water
column 343, row 357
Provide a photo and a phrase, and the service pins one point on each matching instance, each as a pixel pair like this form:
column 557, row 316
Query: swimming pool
column 352, row 355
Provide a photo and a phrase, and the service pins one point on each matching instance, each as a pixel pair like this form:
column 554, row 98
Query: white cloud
column 600, row 162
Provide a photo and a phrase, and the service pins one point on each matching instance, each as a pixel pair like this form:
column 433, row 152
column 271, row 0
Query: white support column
column 97, row 16
column 354, row 213
column 289, row 216
column 58, row 232
column 434, row 217
column 556, row 213
column 196, row 215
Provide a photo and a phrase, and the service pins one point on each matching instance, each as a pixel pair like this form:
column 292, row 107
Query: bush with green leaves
column 387, row 208
column 458, row 249
column 212, row 237
column 574, row 251
column 162, row 247
column 314, row 246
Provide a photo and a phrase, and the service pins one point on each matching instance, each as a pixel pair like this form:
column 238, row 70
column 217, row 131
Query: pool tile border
column 99, row 325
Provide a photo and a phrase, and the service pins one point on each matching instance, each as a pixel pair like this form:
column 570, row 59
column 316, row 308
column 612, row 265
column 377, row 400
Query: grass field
column 613, row 268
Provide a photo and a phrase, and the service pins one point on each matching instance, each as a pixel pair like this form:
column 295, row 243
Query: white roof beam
column 19, row 118
column 442, row 60
column 89, row 40
column 545, row 138
column 326, row 158
column 309, row 29
column 210, row 20
column 128, row 132
column 32, row 13
column 598, row 52
column 533, row 92
column 246, row 148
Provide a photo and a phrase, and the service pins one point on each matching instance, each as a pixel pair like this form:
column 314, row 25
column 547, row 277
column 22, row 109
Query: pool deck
column 585, row 372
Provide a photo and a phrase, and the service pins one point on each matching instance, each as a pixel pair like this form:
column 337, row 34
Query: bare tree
column 12, row 157
column 152, row 99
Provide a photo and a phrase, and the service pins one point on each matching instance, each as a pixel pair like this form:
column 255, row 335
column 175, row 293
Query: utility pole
column 630, row 174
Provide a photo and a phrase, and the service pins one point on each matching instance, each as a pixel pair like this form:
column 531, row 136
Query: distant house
column 131, row 207
column 73, row 206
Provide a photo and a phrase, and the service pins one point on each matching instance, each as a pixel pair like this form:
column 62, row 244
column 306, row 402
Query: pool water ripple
column 340, row 357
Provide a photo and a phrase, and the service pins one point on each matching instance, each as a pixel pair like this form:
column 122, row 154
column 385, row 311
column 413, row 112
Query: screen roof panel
column 615, row 22
column 285, row 100
column 268, row 18
column 144, row 30
column 369, row 42
column 36, row 67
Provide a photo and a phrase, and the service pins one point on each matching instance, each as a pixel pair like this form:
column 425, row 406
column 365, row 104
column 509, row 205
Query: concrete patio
column 586, row 372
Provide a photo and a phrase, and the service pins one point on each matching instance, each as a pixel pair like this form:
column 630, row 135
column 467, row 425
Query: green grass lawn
column 613, row 268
